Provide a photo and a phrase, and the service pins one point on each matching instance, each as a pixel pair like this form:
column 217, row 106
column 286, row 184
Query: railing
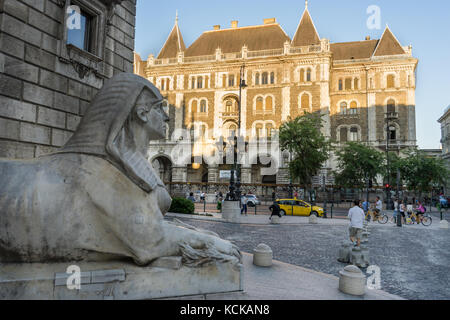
column 391, row 115
column 239, row 55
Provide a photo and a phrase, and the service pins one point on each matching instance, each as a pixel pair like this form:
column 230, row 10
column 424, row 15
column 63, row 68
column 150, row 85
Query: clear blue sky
column 424, row 24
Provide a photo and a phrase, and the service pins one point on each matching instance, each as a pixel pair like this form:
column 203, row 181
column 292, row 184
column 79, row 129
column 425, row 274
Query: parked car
column 252, row 200
column 294, row 207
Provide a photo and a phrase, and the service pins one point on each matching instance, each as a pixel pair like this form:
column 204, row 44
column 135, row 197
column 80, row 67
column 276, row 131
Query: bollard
column 262, row 255
column 275, row 220
column 345, row 252
column 365, row 237
column 365, row 254
column 352, row 281
column 313, row 219
column 443, row 224
column 356, row 258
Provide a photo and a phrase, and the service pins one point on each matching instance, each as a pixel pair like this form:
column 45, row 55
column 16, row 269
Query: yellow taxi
column 295, row 207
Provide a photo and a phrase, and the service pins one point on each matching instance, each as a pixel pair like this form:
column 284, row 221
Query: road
column 413, row 261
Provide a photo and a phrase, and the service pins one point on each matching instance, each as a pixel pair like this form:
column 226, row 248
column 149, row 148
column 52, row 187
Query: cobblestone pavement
column 413, row 261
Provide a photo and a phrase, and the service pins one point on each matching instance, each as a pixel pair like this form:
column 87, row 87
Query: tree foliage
column 357, row 163
column 309, row 148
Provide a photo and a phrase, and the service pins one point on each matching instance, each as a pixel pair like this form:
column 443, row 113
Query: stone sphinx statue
column 98, row 198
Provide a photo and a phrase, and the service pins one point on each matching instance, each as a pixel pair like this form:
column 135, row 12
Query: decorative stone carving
column 262, row 255
column 98, row 198
column 352, row 281
column 345, row 252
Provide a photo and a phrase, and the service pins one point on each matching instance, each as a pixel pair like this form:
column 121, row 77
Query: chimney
column 234, row 24
column 270, row 21
column 367, row 38
column 217, row 27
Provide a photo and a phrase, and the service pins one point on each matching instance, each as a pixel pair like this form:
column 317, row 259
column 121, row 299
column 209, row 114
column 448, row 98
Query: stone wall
column 44, row 87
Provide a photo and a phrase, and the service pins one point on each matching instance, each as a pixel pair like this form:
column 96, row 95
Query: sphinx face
column 153, row 122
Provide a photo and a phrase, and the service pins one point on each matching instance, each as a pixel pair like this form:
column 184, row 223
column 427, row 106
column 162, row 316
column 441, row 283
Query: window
column 203, row 106
column 390, row 81
column 257, row 79
column 231, row 80
column 353, row 134
column 259, row 104
column 344, row 108
column 206, row 82
column 302, row 75
column 232, row 129
column 265, row 78
column 269, row 104
column 200, row 82
column 81, row 37
column 348, row 84
column 392, row 132
column 391, row 106
column 194, row 106
column 193, row 83
column 353, row 108
column 203, row 131
column 308, row 75
column 224, row 80
column 163, row 83
column 305, row 101
column 269, row 130
column 343, row 134
column 356, row 83
column 272, row 78
column 340, row 85
column 259, row 130
column 229, row 106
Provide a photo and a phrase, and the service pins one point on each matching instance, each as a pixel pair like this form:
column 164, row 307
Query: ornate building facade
column 364, row 89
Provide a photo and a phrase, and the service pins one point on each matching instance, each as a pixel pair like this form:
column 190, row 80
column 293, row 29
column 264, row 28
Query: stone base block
column 231, row 211
column 275, row 220
column 165, row 278
column 443, row 224
column 352, row 281
column 313, row 219
column 262, row 256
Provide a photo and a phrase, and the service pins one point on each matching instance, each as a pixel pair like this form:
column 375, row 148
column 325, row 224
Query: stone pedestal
column 443, row 224
column 365, row 254
column 231, row 211
column 345, row 252
column 262, row 256
column 357, row 257
column 352, row 281
column 313, row 219
column 165, row 278
column 275, row 220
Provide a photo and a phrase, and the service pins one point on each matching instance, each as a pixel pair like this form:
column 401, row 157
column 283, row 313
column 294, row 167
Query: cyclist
column 378, row 208
column 420, row 210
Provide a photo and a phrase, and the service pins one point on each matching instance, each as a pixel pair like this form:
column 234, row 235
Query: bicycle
column 426, row 219
column 382, row 218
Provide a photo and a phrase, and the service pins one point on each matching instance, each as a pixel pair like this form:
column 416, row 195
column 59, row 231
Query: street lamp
column 242, row 85
column 389, row 203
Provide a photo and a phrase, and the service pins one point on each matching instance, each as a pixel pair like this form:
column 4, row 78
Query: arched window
column 302, row 75
column 390, row 83
column 269, row 104
column 259, row 130
column 193, row 83
column 203, row 131
column 341, row 85
column 229, row 108
column 348, row 84
column 203, row 106
column 272, row 77
column 356, row 84
column 259, row 104
column 231, row 80
column 257, row 79
column 269, row 130
column 232, row 129
column 206, row 82
column 343, row 107
column 353, row 134
column 305, row 101
column 200, row 82
column 392, row 133
column 343, row 134
column 308, row 75
column 353, row 108
column 224, row 80
column 391, row 106
column 194, row 106
column 163, row 84
column 265, row 78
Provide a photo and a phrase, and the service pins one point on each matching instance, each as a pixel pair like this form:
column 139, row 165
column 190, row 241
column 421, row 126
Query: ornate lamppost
column 239, row 139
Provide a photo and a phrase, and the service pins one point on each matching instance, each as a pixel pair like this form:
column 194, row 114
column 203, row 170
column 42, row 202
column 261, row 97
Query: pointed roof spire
column 174, row 43
column 306, row 31
column 388, row 45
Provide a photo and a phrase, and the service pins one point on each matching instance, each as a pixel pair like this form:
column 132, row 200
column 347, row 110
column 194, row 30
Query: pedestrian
column 356, row 216
column 402, row 210
column 274, row 196
column 202, row 196
column 191, row 197
column 275, row 208
column 295, row 195
column 365, row 206
column 378, row 208
column 244, row 201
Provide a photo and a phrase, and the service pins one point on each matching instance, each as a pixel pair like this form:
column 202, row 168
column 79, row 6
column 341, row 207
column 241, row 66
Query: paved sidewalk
column 294, row 220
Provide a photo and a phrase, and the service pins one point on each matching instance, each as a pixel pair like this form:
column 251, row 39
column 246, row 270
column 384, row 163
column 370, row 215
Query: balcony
column 391, row 115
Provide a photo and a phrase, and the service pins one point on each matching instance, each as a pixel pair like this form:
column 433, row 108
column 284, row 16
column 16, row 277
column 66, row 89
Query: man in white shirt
column 356, row 216
column 244, row 201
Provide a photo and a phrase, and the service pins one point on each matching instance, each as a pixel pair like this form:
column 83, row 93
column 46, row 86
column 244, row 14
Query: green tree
column 421, row 172
column 309, row 148
column 357, row 163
